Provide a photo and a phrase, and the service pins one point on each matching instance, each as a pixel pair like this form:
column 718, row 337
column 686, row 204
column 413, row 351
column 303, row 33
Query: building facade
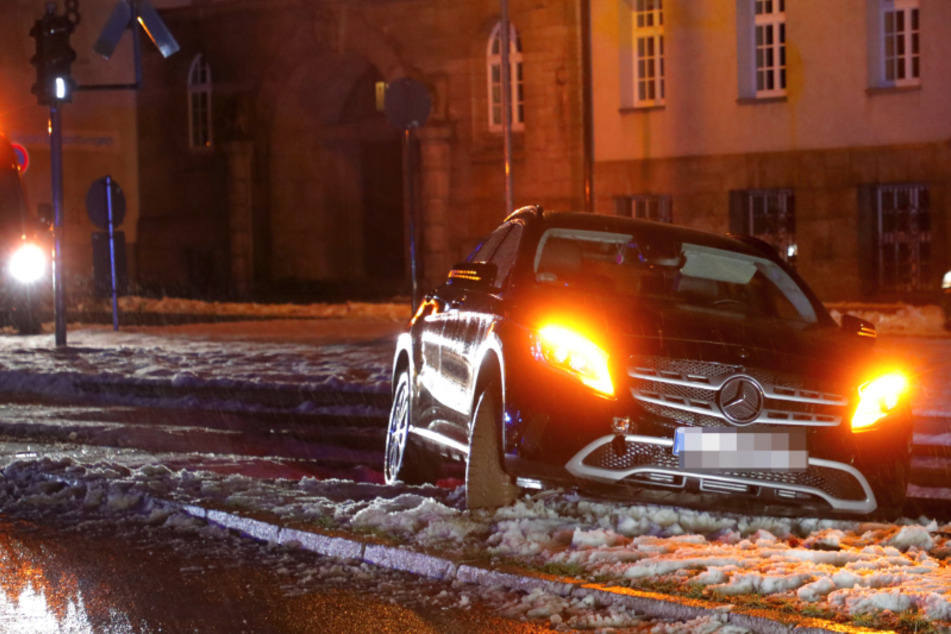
column 820, row 126
column 268, row 166
column 257, row 160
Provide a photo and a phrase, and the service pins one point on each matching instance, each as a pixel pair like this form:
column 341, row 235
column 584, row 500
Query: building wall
column 826, row 184
column 829, row 137
column 829, row 103
column 303, row 74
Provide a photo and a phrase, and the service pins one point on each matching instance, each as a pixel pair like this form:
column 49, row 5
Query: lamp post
column 506, row 96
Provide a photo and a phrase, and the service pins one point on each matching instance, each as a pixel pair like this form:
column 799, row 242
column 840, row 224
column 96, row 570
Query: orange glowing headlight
column 573, row 353
column 877, row 399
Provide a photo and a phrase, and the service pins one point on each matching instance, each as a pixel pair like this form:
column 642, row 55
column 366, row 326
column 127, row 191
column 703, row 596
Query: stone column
column 240, row 216
column 435, row 219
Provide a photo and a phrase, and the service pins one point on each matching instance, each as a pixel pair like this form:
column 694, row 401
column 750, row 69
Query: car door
column 472, row 311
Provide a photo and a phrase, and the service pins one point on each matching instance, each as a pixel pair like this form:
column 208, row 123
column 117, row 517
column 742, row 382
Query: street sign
column 97, row 203
column 23, row 157
column 407, row 103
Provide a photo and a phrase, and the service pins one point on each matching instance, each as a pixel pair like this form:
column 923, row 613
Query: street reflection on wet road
column 106, row 579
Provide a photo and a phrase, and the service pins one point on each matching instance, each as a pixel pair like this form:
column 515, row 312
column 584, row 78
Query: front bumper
column 648, row 461
column 557, row 431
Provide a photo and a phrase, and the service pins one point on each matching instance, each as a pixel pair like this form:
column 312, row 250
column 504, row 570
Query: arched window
column 199, row 104
column 493, row 61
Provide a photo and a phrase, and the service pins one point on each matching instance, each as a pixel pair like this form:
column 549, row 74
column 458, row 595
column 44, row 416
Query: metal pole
column 506, row 95
column 409, row 202
column 587, row 106
column 112, row 254
column 56, row 169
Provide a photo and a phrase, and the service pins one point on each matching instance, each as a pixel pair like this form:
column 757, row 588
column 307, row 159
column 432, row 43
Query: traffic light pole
column 56, row 169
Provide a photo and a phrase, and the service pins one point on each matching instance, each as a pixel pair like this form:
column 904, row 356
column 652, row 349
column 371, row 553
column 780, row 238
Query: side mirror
column 473, row 275
column 859, row 327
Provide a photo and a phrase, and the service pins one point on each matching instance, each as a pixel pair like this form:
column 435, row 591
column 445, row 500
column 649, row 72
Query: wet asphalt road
column 108, row 579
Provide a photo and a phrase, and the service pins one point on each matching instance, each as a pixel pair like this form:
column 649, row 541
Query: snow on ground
column 835, row 569
column 896, row 319
column 848, row 570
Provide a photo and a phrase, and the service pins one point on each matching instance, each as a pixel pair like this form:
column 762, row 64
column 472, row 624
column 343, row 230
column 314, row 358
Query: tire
column 404, row 460
column 488, row 486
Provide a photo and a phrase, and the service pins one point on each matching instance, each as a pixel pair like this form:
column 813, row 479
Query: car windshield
column 683, row 275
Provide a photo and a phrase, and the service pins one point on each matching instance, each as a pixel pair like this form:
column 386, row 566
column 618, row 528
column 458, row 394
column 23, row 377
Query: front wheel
column 488, row 486
column 403, row 460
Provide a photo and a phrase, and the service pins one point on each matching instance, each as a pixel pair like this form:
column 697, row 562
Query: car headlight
column 877, row 399
column 566, row 350
column 27, row 264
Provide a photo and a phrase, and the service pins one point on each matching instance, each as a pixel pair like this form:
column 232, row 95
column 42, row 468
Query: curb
column 651, row 604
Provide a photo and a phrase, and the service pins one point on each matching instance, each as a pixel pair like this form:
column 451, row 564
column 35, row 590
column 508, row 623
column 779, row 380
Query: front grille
column 833, row 482
column 684, row 392
column 635, row 455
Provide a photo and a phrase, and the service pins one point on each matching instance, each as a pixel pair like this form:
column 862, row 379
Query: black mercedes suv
column 646, row 360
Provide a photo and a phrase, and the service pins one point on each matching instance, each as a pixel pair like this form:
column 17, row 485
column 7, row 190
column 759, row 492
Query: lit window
column 648, row 50
column 494, row 71
column 770, row 48
column 199, row 104
column 646, row 207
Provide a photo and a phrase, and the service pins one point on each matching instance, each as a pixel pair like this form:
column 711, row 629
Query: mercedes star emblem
column 741, row 400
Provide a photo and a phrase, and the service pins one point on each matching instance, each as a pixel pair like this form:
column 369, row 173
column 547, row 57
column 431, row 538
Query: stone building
column 256, row 160
column 267, row 167
column 820, row 126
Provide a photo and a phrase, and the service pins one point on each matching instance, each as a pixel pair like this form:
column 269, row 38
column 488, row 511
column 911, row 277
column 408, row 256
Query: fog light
column 27, row 264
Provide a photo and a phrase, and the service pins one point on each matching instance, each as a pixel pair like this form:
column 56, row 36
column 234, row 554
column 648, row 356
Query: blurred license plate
column 731, row 449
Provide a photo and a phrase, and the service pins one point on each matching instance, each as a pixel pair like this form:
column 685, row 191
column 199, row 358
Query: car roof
column 621, row 224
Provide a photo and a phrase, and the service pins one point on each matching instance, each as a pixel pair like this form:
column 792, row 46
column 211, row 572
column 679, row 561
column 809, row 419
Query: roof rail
column 537, row 210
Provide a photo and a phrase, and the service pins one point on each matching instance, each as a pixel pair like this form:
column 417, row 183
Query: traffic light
column 53, row 58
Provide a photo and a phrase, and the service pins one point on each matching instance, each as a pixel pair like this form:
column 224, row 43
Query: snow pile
column 395, row 311
column 896, row 319
column 835, row 568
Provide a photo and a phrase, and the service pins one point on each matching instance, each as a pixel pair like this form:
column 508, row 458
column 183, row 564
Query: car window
column 682, row 275
column 485, row 249
column 500, row 248
column 505, row 253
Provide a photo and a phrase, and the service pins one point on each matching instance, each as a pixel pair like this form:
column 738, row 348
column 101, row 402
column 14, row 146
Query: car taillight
column 877, row 399
column 571, row 352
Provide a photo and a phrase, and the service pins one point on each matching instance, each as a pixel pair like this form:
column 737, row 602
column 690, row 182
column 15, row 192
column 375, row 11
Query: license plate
column 731, row 449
